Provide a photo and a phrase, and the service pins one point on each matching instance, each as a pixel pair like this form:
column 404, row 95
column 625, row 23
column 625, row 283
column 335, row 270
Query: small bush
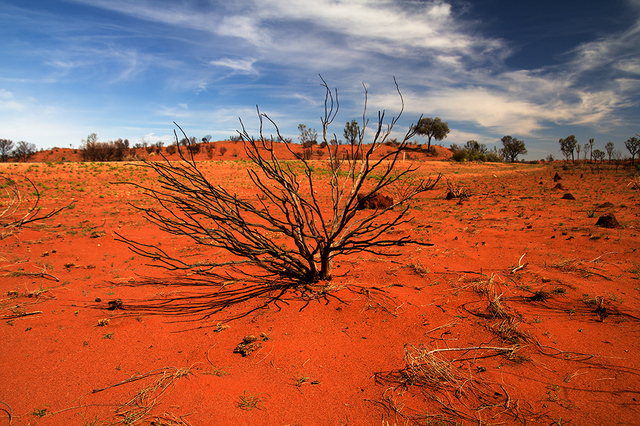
column 92, row 150
column 171, row 149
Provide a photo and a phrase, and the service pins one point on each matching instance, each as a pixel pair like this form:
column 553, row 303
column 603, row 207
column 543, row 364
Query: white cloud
column 8, row 102
column 444, row 65
column 240, row 66
column 629, row 65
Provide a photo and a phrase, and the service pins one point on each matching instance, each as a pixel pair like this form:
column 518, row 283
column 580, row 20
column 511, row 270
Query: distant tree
column 353, row 139
column 512, row 147
column 24, row 150
column 432, row 128
column 6, row 145
column 352, row 132
column 308, row 137
column 586, row 150
column 568, row 145
column 494, row 156
column 633, row 145
column 210, row 148
column 192, row 145
column 549, row 158
column 92, row 150
column 474, row 146
column 609, row 147
column 578, row 148
column 473, row 151
column 207, row 138
column 598, row 155
column 591, row 143
column 171, row 149
column 92, row 138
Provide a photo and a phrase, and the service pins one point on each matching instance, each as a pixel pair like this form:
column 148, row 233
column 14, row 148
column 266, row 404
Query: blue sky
column 537, row 70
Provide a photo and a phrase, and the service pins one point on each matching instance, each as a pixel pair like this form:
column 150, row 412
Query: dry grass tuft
column 451, row 393
column 578, row 267
column 456, row 191
column 138, row 410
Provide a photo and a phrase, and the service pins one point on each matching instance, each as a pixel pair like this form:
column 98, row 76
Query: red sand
column 338, row 357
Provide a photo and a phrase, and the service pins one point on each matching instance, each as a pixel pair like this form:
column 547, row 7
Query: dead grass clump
column 456, row 191
column 579, row 267
column 496, row 308
column 480, row 286
column 540, row 296
column 451, row 393
column 508, row 330
column 419, row 269
column 138, row 409
column 600, row 310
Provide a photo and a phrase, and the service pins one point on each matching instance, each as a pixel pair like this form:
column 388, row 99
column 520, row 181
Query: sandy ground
column 523, row 311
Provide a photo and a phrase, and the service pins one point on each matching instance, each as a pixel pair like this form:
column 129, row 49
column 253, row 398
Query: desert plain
column 517, row 309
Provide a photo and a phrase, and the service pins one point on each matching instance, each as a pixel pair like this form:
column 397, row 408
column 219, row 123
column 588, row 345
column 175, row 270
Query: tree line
column 570, row 147
column 433, row 128
column 20, row 151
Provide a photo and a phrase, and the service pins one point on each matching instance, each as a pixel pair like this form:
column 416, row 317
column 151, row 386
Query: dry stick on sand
column 14, row 201
column 520, row 264
column 42, row 274
column 9, row 411
column 21, row 314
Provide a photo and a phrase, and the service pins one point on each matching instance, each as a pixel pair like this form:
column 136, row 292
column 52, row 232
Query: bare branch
column 286, row 230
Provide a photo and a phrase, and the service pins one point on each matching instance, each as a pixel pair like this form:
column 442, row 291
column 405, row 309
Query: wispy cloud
column 8, row 102
column 220, row 58
column 240, row 66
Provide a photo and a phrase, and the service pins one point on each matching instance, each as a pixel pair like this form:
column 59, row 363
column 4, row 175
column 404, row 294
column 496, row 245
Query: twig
column 134, row 378
column 611, row 252
column 209, row 351
column 471, row 348
column 450, row 324
column 264, row 357
column 21, row 314
column 9, row 412
column 38, row 274
column 520, row 264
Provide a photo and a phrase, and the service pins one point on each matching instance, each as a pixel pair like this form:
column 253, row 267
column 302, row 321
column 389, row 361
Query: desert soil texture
column 521, row 307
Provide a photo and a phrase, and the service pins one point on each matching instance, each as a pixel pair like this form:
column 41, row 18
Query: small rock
column 568, row 196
